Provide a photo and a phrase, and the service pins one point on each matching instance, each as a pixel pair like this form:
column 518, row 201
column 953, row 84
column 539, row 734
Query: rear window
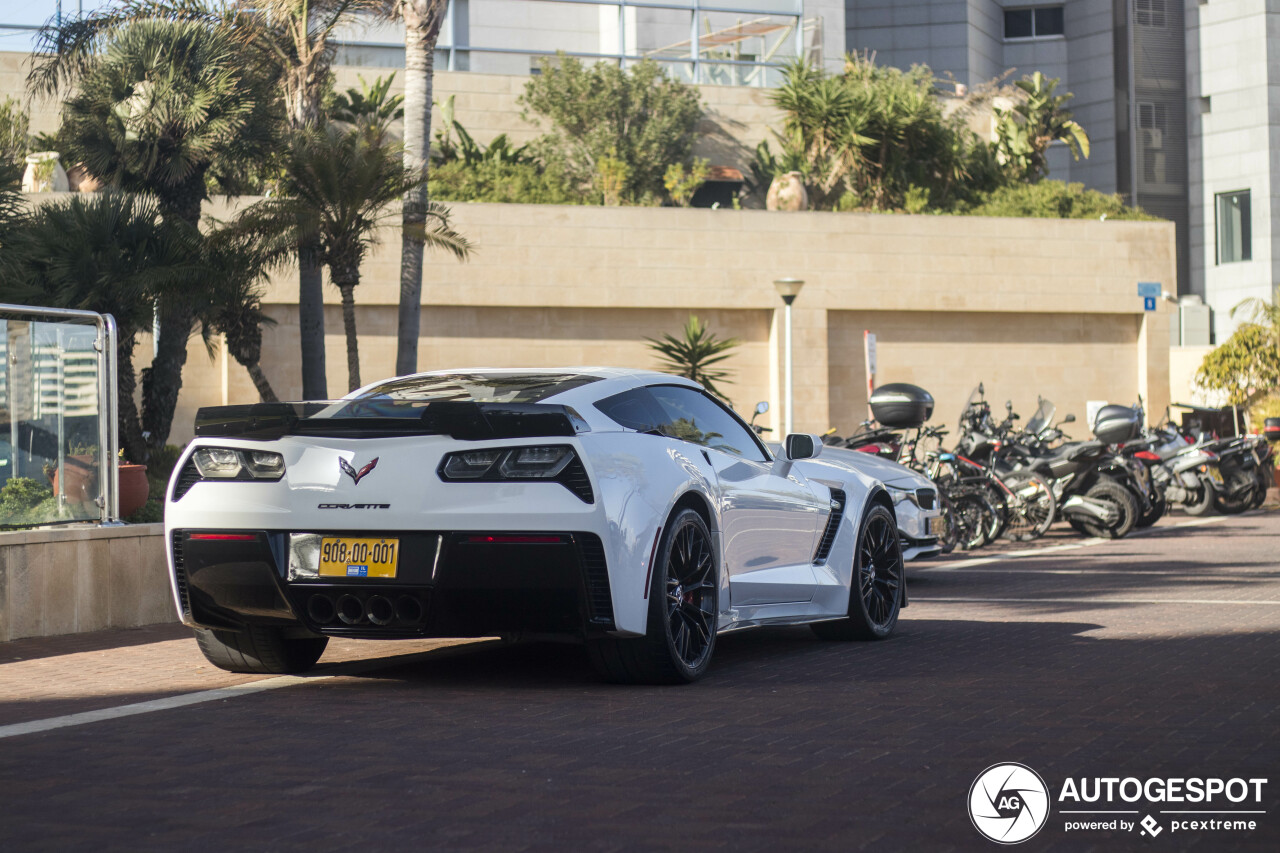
column 479, row 387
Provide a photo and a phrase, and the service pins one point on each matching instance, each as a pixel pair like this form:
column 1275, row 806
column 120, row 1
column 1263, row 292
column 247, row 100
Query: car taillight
column 228, row 463
column 514, row 463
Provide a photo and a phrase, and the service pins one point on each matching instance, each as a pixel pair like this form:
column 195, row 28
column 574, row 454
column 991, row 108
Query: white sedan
column 628, row 509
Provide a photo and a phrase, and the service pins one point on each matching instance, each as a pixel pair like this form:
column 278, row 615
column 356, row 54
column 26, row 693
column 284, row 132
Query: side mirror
column 762, row 407
column 1069, row 419
column 801, row 445
column 982, row 392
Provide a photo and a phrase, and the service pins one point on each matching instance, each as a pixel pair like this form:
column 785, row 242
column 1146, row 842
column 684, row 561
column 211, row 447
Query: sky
column 33, row 13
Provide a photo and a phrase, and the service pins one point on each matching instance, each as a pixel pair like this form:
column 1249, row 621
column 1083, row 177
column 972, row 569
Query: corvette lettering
column 353, row 506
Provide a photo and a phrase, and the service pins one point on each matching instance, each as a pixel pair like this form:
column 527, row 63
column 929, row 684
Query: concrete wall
column 1028, row 306
column 69, row 581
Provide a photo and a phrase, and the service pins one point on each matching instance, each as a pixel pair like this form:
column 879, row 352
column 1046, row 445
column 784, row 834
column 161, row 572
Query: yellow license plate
column 933, row 525
column 358, row 558
column 1215, row 474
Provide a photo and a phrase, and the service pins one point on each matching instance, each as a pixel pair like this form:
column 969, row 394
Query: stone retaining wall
column 69, row 581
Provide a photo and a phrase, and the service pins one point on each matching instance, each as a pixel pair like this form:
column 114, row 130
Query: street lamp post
column 788, row 289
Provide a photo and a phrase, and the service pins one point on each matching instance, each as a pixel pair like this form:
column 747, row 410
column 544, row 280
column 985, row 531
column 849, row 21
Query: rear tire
column 684, row 597
column 1037, row 506
column 1158, row 507
column 1118, row 496
column 260, row 649
column 1202, row 503
column 877, row 586
column 1236, row 504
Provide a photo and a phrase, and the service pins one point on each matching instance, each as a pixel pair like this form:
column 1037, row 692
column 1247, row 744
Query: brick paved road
column 1109, row 660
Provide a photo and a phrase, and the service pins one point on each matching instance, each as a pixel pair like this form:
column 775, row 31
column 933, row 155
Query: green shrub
column 14, row 124
column 638, row 116
column 1053, row 200
column 498, row 181
column 160, row 468
column 151, row 512
column 26, row 501
column 21, row 494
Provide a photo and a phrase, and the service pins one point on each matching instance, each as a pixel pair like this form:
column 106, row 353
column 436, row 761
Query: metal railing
column 57, row 393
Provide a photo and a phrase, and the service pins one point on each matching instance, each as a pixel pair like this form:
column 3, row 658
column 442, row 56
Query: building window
column 1235, row 240
column 1149, row 13
column 1040, row 22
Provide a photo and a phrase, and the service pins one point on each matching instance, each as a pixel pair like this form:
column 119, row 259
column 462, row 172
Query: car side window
column 693, row 416
column 635, row 409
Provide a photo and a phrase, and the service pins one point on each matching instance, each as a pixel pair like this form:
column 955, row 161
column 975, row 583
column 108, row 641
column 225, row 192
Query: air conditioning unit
column 1155, row 138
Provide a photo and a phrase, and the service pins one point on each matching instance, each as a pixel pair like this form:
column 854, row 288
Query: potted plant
column 44, row 173
column 80, row 470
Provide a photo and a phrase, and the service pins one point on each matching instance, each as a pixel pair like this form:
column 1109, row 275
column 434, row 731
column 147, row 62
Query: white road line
column 1057, row 549
column 351, row 668
column 148, row 707
column 1099, row 601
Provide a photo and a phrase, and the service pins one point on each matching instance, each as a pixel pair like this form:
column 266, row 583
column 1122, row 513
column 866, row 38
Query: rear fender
column 638, row 493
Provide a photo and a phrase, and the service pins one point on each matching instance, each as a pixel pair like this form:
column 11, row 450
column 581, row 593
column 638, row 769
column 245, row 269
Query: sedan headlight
column 923, row 498
column 226, row 463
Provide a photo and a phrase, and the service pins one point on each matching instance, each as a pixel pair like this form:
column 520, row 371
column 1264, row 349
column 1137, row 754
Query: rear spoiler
column 464, row 421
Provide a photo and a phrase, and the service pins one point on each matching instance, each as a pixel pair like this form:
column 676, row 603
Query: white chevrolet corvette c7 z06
column 628, row 509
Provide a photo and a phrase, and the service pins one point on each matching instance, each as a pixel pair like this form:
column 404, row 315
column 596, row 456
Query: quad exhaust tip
column 320, row 609
column 350, row 610
column 380, row 610
column 377, row 610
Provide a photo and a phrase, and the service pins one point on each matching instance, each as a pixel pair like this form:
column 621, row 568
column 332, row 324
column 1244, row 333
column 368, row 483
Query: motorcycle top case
column 1117, row 424
column 901, row 406
column 1271, row 429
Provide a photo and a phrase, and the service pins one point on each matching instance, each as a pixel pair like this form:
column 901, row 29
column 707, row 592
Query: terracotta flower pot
column 134, row 488
column 81, row 486
column 787, row 192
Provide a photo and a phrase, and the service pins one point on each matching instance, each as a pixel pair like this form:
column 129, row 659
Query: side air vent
column 595, row 573
column 180, row 574
column 189, row 477
column 833, row 526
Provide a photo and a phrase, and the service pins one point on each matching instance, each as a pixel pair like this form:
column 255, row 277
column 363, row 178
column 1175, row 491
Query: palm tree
column 291, row 35
column 163, row 108
column 239, row 269
column 114, row 253
column 422, row 20
column 336, row 192
column 1039, row 119
column 12, row 215
column 693, row 355
column 371, row 106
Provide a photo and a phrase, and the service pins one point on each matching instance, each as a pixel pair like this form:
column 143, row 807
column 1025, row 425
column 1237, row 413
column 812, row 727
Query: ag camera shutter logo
column 1008, row 803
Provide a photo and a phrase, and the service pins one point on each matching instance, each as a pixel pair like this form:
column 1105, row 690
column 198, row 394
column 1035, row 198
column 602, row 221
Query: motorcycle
column 1099, row 492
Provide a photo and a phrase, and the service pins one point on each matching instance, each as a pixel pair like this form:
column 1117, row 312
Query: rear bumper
column 447, row 584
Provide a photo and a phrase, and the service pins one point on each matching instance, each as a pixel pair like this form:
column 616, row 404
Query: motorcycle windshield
column 1043, row 416
column 975, row 399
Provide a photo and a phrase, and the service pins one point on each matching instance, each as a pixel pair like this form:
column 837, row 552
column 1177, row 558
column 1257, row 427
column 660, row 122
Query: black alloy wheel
column 878, row 584
column 684, row 597
column 880, row 570
column 691, row 594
